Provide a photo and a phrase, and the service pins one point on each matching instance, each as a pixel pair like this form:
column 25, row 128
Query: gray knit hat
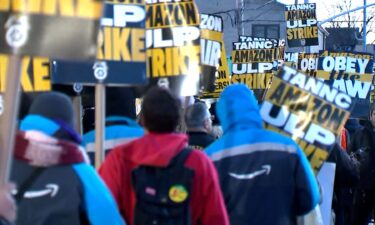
column 54, row 106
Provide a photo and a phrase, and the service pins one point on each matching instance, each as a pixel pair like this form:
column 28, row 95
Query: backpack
column 163, row 194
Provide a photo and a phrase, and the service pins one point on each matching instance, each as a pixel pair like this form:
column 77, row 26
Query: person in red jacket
column 161, row 117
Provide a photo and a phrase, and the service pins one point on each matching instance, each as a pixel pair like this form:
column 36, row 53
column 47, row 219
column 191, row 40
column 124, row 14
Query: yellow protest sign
column 35, row 74
column 308, row 110
column 173, row 45
column 213, row 56
column 50, row 28
column 301, row 25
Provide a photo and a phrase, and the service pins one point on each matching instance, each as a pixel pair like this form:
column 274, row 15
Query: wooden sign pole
column 9, row 117
column 77, row 103
column 99, row 123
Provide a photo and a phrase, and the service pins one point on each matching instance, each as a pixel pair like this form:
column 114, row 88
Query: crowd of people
column 153, row 174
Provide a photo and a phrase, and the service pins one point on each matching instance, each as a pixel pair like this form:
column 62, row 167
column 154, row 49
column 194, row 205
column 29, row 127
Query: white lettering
column 181, row 35
column 277, row 121
column 319, row 134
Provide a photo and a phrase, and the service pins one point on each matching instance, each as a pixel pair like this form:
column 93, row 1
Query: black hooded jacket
column 199, row 139
column 346, row 171
column 363, row 144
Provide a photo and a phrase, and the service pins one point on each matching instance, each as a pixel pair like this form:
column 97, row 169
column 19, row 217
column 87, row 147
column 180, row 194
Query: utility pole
column 307, row 48
column 364, row 25
column 240, row 16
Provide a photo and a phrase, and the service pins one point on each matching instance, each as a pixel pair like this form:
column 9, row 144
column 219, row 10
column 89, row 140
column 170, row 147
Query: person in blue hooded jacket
column 120, row 124
column 56, row 185
column 265, row 177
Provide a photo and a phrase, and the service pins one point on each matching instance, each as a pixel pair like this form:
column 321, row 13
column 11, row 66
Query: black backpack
column 163, row 194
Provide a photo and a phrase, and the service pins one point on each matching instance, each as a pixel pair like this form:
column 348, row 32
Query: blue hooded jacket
column 265, row 177
column 119, row 130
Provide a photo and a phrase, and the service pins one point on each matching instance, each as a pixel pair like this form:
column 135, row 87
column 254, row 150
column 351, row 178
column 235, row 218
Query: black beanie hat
column 54, row 106
column 120, row 101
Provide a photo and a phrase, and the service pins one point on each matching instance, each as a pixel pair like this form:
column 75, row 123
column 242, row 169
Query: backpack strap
column 180, row 158
column 27, row 183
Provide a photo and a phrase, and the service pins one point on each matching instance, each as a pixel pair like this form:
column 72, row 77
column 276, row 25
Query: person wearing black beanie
column 58, row 108
column 52, row 171
column 120, row 101
column 54, row 106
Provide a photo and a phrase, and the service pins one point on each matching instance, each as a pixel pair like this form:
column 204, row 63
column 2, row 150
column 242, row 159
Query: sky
column 325, row 9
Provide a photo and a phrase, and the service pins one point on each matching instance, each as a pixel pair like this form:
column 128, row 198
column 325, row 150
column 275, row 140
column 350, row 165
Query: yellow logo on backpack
column 178, row 193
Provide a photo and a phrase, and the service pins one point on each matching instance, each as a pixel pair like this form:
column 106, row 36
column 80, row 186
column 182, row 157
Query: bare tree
column 351, row 20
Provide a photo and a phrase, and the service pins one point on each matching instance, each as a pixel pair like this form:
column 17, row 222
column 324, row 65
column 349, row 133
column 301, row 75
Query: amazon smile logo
column 266, row 169
column 51, row 189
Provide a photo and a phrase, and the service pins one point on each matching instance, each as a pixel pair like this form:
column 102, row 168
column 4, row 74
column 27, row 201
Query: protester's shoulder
column 115, row 132
column 197, row 155
column 274, row 137
column 360, row 132
column 253, row 137
column 124, row 131
column 359, row 136
column 87, row 175
column 271, row 140
column 121, row 149
column 85, row 172
column 88, row 137
column 197, row 160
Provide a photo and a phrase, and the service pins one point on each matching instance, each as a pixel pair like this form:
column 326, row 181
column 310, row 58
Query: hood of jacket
column 238, row 108
column 39, row 149
column 154, row 149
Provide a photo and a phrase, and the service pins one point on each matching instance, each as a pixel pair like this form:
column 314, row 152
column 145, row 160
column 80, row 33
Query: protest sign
column 249, row 42
column 222, row 76
column 308, row 63
column 222, row 79
column 350, row 72
column 121, row 58
column 211, row 49
column 309, row 111
column 173, row 45
column 326, row 178
column 291, row 59
column 254, row 60
column 301, row 25
column 35, row 74
column 55, row 28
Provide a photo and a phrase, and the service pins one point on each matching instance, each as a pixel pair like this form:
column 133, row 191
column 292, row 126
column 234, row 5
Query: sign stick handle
column 186, row 102
column 77, row 103
column 9, row 117
column 99, row 123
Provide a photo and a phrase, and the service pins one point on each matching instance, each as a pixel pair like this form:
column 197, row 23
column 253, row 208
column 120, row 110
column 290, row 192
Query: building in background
column 343, row 39
column 260, row 18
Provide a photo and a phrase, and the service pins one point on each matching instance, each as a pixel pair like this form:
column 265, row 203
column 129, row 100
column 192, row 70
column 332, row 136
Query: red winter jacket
column 157, row 150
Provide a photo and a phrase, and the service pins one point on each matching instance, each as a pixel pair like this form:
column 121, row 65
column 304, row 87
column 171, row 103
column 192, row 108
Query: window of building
column 266, row 31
